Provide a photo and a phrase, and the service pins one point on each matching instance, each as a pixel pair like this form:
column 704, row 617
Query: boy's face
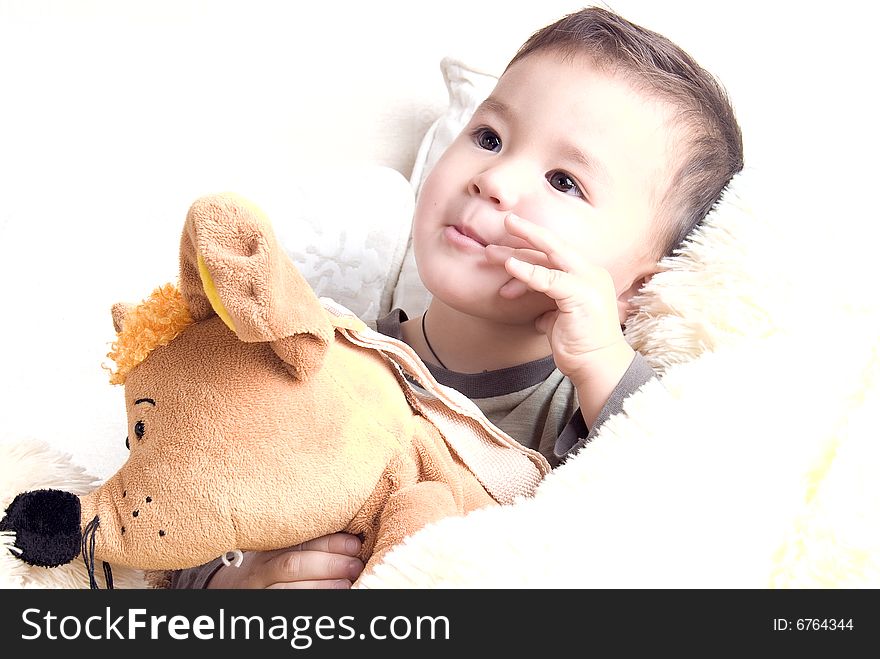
column 558, row 143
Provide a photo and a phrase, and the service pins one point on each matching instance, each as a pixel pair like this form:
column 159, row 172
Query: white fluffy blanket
column 751, row 463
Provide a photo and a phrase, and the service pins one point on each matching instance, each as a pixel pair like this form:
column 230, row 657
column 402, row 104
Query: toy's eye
column 139, row 428
column 127, row 445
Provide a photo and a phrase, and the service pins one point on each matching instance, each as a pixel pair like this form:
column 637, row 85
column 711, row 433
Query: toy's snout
column 46, row 525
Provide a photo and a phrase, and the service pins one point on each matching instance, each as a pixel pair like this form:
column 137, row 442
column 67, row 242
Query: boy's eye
column 564, row 183
column 487, row 139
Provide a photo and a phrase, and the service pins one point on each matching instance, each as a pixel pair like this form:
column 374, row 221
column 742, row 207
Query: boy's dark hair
column 713, row 149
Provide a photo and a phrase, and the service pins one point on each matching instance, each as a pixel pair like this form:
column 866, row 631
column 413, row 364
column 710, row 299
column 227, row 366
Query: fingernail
column 352, row 545
column 355, row 567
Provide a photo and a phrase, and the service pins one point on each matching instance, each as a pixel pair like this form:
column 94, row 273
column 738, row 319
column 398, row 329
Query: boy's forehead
column 570, row 95
column 548, row 70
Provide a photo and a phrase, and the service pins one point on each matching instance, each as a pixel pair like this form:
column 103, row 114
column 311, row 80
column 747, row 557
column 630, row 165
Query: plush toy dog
column 260, row 416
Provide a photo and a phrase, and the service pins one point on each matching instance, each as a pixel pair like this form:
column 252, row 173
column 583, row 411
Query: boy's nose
column 501, row 186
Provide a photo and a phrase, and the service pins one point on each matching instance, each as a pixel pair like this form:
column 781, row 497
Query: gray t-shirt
column 534, row 403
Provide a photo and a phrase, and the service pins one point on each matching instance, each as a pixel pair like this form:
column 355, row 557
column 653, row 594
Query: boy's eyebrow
column 596, row 169
column 495, row 106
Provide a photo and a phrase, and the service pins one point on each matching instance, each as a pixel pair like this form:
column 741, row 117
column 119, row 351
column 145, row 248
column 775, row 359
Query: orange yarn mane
column 154, row 322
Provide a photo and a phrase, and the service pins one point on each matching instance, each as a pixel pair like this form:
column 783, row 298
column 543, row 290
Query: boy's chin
column 491, row 305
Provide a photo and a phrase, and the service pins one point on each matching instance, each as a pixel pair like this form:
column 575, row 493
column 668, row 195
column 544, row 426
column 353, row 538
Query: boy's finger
column 556, row 284
column 498, row 254
column 543, row 240
column 310, row 565
column 545, row 322
column 513, row 289
column 334, row 543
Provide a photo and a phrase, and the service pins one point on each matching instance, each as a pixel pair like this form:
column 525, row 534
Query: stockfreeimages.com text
column 301, row 631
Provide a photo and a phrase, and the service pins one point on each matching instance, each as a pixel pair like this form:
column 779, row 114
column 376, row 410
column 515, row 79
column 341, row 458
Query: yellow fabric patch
column 213, row 296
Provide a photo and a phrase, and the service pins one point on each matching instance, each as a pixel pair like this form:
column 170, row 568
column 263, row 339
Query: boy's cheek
column 425, row 211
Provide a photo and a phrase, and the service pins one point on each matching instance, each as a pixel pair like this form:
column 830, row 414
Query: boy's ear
column 625, row 305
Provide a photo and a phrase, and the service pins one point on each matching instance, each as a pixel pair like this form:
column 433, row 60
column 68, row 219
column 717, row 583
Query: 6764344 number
column 813, row 624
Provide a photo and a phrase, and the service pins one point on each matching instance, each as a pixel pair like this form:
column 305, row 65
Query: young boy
column 601, row 147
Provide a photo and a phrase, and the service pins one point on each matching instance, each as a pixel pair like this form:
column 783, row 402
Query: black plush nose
column 46, row 525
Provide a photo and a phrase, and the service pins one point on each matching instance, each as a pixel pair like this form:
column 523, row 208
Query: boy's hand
column 326, row 562
column 584, row 329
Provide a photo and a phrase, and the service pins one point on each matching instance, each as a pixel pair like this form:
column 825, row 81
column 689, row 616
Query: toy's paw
column 46, row 525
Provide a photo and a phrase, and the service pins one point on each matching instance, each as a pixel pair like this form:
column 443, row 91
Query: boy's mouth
column 466, row 236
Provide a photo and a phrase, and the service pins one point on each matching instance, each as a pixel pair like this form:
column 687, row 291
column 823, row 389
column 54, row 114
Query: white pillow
column 348, row 235
column 467, row 88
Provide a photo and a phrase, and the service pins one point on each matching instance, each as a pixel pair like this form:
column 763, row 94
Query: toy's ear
column 231, row 264
column 119, row 311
